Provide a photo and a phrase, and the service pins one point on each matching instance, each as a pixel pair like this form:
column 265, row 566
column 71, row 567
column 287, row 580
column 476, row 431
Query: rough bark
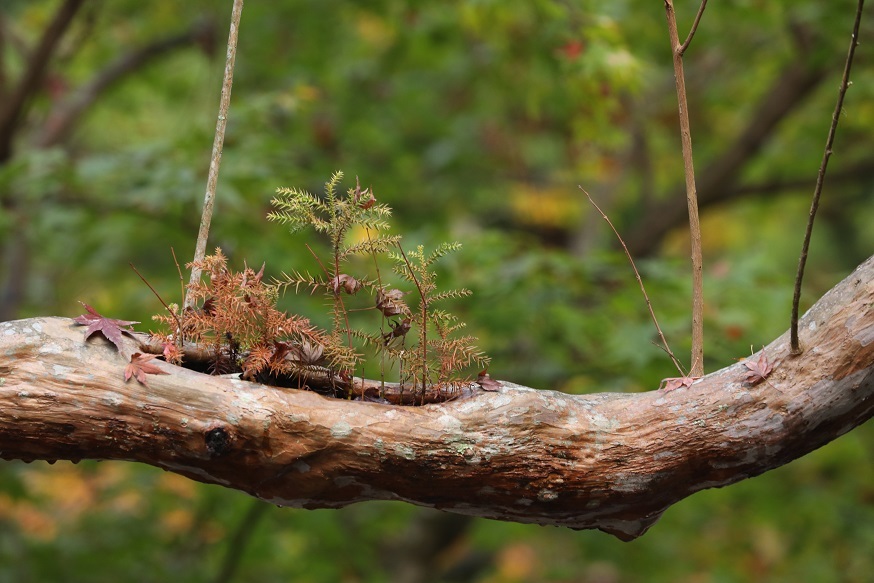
column 609, row 461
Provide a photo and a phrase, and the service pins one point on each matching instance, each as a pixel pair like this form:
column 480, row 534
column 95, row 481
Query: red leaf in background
column 139, row 367
column 572, row 49
column 109, row 327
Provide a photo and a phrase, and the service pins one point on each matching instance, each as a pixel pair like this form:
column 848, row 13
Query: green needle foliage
column 335, row 215
column 434, row 360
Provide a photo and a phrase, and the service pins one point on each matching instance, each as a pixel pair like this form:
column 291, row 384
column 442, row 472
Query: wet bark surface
column 609, row 461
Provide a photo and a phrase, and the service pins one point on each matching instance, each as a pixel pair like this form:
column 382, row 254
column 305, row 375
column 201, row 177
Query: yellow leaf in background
column 547, row 206
column 177, row 485
column 129, row 502
column 32, row 521
column 517, row 562
column 63, row 485
column 177, row 521
column 374, row 31
column 306, row 92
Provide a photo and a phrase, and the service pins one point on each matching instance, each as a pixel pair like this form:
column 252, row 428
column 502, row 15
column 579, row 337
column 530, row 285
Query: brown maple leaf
column 398, row 330
column 139, row 367
column 486, row 382
column 110, row 328
column 759, row 370
column 391, row 302
column 346, row 282
column 674, row 383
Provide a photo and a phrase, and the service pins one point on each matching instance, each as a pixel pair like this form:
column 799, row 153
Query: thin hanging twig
column 677, row 49
column 802, row 260
column 664, row 340
column 160, row 299
column 217, row 145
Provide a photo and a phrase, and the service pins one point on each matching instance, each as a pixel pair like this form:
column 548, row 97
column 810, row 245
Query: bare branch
column 697, row 366
column 640, row 283
column 11, row 114
column 814, row 205
column 65, row 115
column 609, row 461
column 688, row 41
column 217, row 145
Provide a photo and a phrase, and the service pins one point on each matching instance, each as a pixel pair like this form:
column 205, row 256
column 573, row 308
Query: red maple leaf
column 759, row 370
column 139, row 367
column 110, row 328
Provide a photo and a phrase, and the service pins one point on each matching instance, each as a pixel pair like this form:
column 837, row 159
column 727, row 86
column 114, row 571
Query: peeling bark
column 609, row 461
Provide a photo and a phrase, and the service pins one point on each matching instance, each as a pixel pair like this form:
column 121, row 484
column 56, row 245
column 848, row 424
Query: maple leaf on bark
column 139, row 367
column 759, row 370
column 111, row 328
column 675, row 383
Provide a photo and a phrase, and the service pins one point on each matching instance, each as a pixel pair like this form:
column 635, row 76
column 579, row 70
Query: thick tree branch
column 609, row 461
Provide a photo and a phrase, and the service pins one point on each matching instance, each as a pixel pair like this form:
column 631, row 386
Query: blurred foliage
column 475, row 120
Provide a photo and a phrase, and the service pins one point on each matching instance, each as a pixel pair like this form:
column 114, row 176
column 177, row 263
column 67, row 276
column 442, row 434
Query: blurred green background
column 475, row 120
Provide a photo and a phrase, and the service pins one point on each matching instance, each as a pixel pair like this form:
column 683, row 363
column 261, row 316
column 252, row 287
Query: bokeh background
column 475, row 120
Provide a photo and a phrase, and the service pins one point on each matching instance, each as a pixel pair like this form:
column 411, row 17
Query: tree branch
column 694, row 29
column 814, row 205
column 11, row 114
column 696, row 369
column 609, row 461
column 64, row 116
column 217, row 145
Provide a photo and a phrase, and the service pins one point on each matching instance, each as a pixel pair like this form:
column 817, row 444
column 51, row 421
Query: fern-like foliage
column 237, row 319
column 435, row 359
column 334, row 215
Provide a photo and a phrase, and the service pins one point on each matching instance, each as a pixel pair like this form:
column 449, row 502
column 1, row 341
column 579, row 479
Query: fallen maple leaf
column 486, row 382
column 139, row 367
column 759, row 370
column 110, row 328
column 677, row 382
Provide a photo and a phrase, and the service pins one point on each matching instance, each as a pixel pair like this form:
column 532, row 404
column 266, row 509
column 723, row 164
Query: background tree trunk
column 609, row 461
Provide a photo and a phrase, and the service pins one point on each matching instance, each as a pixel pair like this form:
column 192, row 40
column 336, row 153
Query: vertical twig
column 217, row 145
column 382, row 316
column 335, row 291
column 677, row 49
column 805, row 246
column 424, row 324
